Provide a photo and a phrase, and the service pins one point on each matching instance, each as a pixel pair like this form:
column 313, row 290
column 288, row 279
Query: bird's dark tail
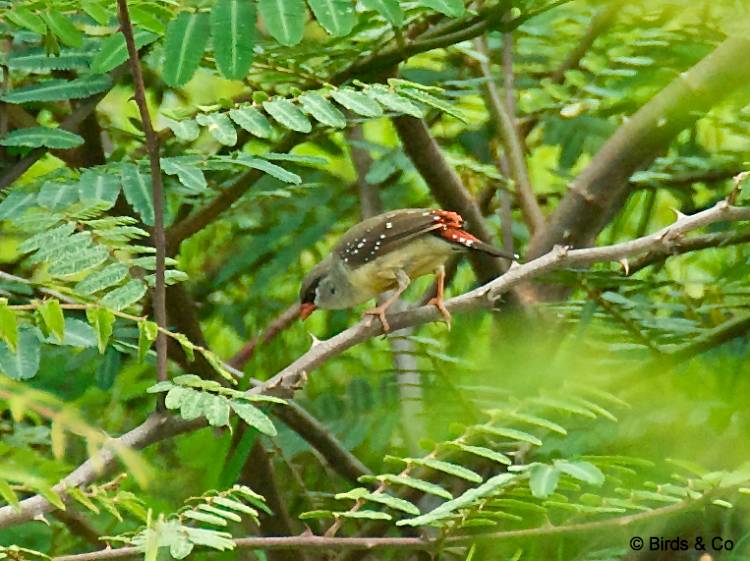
column 479, row 245
column 454, row 234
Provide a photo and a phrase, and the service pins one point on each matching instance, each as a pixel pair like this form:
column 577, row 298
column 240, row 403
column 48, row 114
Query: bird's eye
column 333, row 290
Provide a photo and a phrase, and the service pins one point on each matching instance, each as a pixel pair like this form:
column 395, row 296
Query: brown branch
column 736, row 327
column 505, row 126
column 258, row 473
column 687, row 245
column 157, row 187
column 70, row 123
column 282, row 321
column 317, row 435
column 287, row 381
column 225, row 199
column 601, row 189
column 447, row 188
column 79, row 526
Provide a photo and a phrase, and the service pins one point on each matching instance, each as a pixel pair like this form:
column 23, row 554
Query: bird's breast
column 416, row 258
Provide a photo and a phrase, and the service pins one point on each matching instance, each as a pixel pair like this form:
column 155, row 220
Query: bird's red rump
column 452, row 228
column 449, row 218
column 457, row 236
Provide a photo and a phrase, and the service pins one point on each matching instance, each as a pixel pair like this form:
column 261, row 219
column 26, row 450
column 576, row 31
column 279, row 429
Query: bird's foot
column 379, row 311
column 439, row 303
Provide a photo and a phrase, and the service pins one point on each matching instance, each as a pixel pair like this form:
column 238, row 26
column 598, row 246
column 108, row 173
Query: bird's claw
column 378, row 311
column 439, row 303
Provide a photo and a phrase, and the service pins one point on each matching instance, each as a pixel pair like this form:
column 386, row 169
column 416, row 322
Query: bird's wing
column 384, row 233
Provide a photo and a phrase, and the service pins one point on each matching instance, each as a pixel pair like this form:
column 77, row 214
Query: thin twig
column 506, row 128
column 157, row 188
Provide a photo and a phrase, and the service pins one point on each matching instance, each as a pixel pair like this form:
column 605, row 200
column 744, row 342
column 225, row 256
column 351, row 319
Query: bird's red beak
column 306, row 309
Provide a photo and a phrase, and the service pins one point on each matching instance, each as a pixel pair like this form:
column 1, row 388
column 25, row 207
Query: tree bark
column 601, row 189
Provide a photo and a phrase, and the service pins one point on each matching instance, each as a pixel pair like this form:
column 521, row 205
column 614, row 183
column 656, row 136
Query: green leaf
column 193, row 404
column 389, row 9
column 55, row 196
column 219, row 126
column 233, row 34
column 24, row 362
column 215, row 539
column 216, row 410
column 530, row 419
column 287, row 115
column 357, row 102
column 336, row 16
column 147, row 331
column 94, row 186
column 181, row 546
column 186, row 130
column 15, row 203
column 77, row 334
column 7, row 493
column 446, row 467
column 111, row 275
column 284, row 19
column 234, row 505
column 34, row 137
column 187, row 346
column 160, row 387
column 59, row 90
column 271, row 169
column 364, row 515
column 543, row 480
column 95, row 11
column 189, row 175
column 391, row 502
column 205, row 517
column 394, row 102
column 79, row 261
column 583, row 471
column 412, row 482
column 511, row 434
column 486, row 453
column 148, row 17
column 323, row 110
column 8, row 325
column 176, row 396
column 39, row 60
column 186, row 39
column 468, row 498
column 429, row 99
column 113, row 51
column 24, row 17
column 252, row 120
column 137, row 189
column 102, row 320
column 316, row 514
column 125, row 295
column 253, row 417
column 63, row 28
column 451, row 8
column 231, row 516
column 52, row 315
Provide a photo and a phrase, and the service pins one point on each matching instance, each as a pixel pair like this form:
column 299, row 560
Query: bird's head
column 323, row 287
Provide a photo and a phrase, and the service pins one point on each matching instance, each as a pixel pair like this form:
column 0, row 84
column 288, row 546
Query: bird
column 386, row 252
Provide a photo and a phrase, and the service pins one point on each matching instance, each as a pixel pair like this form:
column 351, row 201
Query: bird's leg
column 403, row 282
column 438, row 300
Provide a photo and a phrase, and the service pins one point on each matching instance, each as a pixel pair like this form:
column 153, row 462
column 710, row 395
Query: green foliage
column 273, row 119
column 195, row 397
